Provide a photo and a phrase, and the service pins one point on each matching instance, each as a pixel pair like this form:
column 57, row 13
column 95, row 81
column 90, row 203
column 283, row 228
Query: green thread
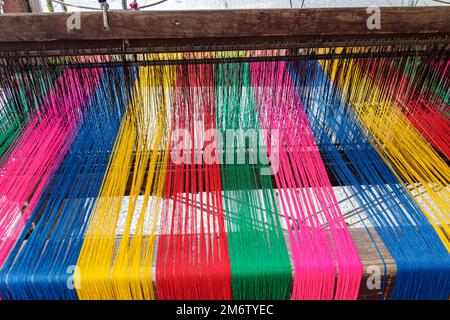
column 260, row 266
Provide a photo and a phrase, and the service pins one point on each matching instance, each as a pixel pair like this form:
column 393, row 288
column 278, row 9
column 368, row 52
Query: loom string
column 422, row 260
column 418, row 93
column 97, row 253
column 127, row 262
column 398, row 142
column 315, row 260
column 193, row 259
column 255, row 237
column 11, row 117
column 163, row 78
column 23, row 92
column 41, row 270
column 193, row 222
column 39, row 150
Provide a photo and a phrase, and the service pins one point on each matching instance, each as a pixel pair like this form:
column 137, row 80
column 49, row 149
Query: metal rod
column 126, row 47
column 328, row 56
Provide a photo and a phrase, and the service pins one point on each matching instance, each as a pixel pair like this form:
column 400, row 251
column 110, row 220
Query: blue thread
column 42, row 268
column 423, row 263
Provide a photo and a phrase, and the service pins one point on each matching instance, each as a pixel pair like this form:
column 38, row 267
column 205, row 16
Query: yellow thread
column 398, row 142
column 104, row 271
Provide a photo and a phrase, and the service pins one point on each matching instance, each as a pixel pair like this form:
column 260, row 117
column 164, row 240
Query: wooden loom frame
column 178, row 31
column 169, row 31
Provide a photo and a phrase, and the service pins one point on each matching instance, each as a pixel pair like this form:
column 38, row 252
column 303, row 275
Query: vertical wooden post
column 16, row 6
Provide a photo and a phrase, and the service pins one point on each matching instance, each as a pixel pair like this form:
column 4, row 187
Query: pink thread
column 38, row 151
column 307, row 199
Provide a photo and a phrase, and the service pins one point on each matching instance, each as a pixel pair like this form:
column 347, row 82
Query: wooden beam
column 244, row 29
column 367, row 251
column 16, row 6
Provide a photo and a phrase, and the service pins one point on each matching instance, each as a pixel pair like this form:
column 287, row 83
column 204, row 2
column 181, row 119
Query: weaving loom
column 247, row 154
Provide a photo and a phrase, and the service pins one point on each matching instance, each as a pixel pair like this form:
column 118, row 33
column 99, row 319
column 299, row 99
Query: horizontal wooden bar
column 370, row 259
column 244, row 29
